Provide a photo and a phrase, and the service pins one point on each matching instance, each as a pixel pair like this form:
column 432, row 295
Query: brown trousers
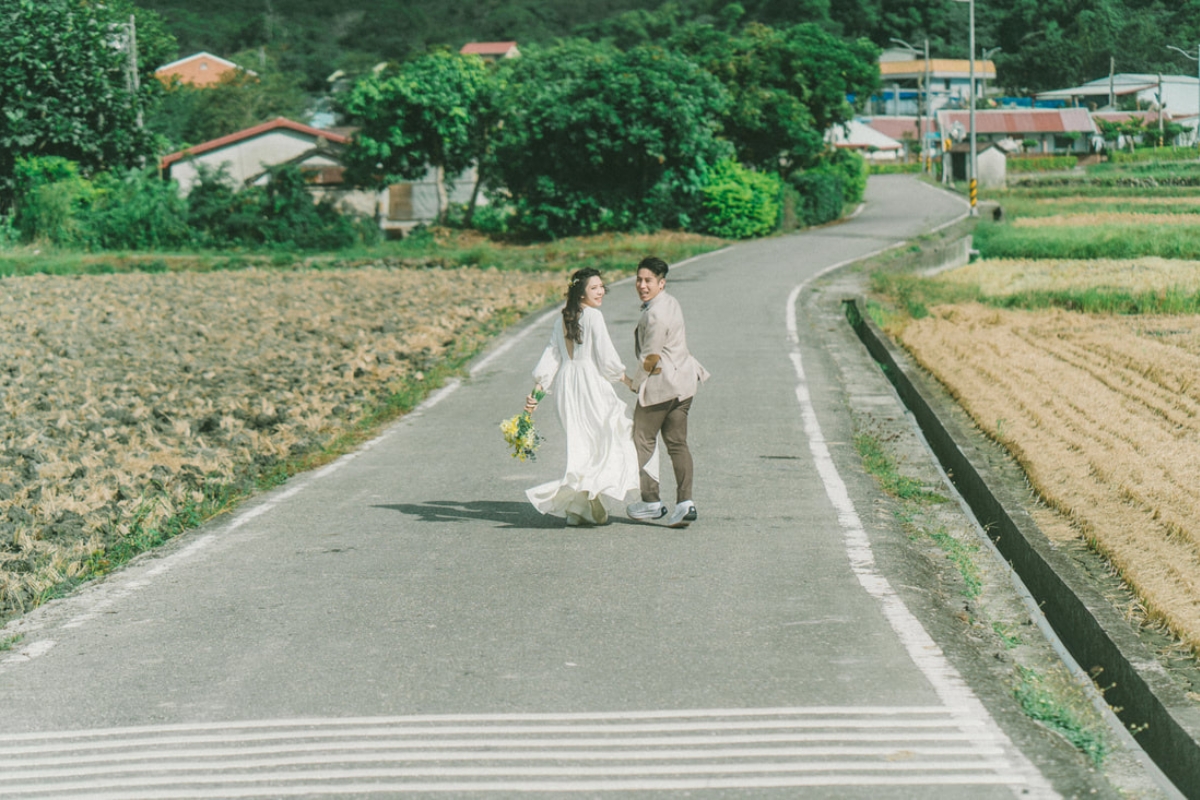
column 671, row 419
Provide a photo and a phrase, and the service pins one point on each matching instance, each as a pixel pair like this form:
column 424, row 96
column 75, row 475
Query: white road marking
column 924, row 652
column 579, row 752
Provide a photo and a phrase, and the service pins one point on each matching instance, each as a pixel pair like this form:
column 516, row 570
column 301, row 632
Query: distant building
column 247, row 156
column 1180, row 99
column 1180, row 93
column 1051, row 129
column 491, row 51
column 903, row 78
column 873, row 145
column 200, row 70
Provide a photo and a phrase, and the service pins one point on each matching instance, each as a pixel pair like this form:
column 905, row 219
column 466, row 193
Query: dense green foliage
column 1045, row 45
column 66, row 88
column 137, row 210
column 434, row 111
column 739, row 203
column 598, row 139
column 787, row 86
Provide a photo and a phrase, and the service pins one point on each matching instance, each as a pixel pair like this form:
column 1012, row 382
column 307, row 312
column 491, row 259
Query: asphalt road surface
column 403, row 623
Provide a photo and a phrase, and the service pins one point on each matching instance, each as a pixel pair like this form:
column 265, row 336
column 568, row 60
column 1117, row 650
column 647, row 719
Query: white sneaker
column 683, row 515
column 643, row 510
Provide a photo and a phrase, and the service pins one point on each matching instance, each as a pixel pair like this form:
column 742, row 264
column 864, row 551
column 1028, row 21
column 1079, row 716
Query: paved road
column 402, row 622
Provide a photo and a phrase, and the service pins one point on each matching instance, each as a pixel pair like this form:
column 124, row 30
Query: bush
column 1041, row 163
column 282, row 213
column 51, row 197
column 822, row 194
column 739, row 203
column 137, row 211
column 853, row 169
column 894, row 168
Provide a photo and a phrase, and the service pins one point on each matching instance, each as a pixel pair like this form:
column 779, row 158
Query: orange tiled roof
column 200, row 69
column 488, row 48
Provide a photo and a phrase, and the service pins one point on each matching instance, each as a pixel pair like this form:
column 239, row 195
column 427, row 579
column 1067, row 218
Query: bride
column 581, row 365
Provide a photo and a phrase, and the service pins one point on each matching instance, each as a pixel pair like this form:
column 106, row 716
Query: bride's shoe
column 599, row 512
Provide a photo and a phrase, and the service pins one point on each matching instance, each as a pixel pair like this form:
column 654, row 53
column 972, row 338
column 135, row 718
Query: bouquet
column 520, row 434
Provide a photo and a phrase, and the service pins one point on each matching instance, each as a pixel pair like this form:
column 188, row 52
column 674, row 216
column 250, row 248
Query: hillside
column 1035, row 46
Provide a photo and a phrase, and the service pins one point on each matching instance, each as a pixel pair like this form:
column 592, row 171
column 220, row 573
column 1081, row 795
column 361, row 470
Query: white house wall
column 246, row 158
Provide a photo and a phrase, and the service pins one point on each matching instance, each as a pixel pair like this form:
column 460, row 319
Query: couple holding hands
column 609, row 456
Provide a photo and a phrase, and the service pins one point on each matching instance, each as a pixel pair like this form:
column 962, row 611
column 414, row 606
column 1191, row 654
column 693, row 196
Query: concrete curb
column 1144, row 697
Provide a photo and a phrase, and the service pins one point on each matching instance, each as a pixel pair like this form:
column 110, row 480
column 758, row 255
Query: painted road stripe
column 921, row 648
column 589, row 752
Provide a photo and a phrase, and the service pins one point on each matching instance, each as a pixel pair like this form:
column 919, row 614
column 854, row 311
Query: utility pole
column 1195, row 58
column 133, row 82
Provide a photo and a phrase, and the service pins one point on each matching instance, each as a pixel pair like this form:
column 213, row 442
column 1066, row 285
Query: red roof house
column 491, row 51
column 1042, row 125
column 247, row 154
column 201, row 69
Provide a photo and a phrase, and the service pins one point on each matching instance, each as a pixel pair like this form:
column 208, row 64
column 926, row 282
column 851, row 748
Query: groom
column 665, row 381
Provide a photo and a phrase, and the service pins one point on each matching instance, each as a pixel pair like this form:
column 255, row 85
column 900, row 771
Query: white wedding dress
column 602, row 469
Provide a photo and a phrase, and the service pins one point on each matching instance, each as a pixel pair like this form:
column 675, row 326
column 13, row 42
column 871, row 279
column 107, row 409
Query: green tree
column 431, row 112
column 65, row 89
column 788, row 87
column 598, row 139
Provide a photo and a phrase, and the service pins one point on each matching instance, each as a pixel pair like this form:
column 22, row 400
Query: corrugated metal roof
column 1018, row 121
column 897, row 127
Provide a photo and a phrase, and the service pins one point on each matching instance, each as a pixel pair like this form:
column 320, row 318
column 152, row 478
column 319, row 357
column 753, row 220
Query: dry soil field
column 124, row 396
column 1103, row 412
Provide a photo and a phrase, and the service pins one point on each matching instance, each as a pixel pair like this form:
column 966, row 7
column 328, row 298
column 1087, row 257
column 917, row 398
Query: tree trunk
column 474, row 197
column 443, row 196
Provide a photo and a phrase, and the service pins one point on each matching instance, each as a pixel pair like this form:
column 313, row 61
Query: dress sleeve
column 607, row 360
column 547, row 366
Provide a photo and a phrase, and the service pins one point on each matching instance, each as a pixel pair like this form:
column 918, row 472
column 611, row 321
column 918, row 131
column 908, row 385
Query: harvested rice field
column 1105, row 218
column 126, row 398
column 1002, row 277
column 1103, row 413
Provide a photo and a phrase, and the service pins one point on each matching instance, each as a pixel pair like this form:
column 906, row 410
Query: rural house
column 199, row 70
column 491, row 51
column 247, row 155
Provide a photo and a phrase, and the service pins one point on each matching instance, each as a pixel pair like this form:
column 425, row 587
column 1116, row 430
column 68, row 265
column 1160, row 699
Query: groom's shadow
column 506, row 514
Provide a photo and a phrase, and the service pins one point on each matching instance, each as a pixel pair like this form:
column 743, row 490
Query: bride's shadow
column 507, row 514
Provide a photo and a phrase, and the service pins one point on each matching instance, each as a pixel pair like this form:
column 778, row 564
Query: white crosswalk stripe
column 547, row 753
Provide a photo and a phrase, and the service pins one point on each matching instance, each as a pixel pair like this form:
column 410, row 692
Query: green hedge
column 1152, row 154
column 1045, row 164
column 740, row 203
column 894, row 169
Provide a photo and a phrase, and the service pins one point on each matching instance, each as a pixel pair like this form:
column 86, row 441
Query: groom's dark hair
column 655, row 265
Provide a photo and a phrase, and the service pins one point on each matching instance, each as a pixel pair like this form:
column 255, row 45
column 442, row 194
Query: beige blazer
column 661, row 332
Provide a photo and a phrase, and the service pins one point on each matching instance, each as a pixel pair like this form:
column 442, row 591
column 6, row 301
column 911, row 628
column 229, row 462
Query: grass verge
column 1053, row 699
column 432, row 247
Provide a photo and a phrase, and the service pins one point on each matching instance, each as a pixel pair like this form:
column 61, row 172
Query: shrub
column 822, row 194
column 1041, row 163
column 853, row 169
column 137, row 211
column 282, row 213
column 739, row 203
column 51, row 197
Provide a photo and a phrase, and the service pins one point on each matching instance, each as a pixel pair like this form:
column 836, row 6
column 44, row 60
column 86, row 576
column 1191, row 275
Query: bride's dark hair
column 573, row 310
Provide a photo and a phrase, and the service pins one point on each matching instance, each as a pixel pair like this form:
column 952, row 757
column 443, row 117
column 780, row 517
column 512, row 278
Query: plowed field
column 124, row 398
column 1103, row 412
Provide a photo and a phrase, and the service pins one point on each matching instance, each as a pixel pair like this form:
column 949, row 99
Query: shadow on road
column 508, row 514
